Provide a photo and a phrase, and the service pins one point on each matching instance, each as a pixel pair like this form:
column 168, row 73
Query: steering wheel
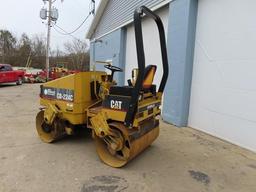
column 113, row 68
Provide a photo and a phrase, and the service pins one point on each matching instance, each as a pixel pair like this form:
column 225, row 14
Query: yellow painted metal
column 118, row 115
column 135, row 73
column 104, row 89
column 69, row 131
column 74, row 112
column 115, row 114
column 56, row 133
column 145, row 103
column 114, row 143
column 100, row 124
column 50, row 113
column 131, row 148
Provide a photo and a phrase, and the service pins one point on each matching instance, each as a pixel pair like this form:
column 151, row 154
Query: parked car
column 8, row 75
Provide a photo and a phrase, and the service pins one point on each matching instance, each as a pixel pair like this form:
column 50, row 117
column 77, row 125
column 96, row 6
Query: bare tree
column 24, row 49
column 38, row 45
column 78, row 53
column 7, row 44
column 38, row 51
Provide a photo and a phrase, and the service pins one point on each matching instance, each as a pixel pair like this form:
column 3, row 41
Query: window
column 5, row 68
column 8, row 68
column 2, row 68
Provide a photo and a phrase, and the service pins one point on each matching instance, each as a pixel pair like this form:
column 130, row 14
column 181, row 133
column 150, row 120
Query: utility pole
column 48, row 39
column 52, row 14
column 93, row 7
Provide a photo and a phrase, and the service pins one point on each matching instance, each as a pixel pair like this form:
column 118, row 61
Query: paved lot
column 181, row 160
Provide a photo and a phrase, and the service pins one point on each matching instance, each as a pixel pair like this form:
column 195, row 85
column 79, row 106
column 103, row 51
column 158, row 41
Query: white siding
column 118, row 12
column 151, row 45
column 223, row 96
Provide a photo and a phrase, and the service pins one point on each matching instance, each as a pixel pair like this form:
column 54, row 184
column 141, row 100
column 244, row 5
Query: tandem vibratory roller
column 123, row 119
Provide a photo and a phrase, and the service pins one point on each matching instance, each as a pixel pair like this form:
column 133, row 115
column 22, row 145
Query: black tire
column 19, row 81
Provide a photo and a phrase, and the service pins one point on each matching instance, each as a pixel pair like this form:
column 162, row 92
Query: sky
column 22, row 16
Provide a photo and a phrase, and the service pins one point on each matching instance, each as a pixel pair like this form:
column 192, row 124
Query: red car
column 8, row 75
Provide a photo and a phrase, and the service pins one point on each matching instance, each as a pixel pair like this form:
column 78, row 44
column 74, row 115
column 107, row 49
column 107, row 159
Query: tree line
column 32, row 50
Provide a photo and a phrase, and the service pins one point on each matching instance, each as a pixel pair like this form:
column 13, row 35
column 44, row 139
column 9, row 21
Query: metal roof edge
column 97, row 17
column 160, row 5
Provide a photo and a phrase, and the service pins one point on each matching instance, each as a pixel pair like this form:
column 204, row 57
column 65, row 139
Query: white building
column 212, row 58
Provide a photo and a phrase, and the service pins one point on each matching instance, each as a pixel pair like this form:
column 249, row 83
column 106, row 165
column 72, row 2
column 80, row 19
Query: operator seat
column 150, row 71
column 147, row 85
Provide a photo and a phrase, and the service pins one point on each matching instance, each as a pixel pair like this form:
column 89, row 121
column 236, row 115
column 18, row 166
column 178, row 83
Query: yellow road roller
column 123, row 119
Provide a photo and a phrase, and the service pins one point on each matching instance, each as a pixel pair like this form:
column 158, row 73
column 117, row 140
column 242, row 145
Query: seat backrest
column 150, row 71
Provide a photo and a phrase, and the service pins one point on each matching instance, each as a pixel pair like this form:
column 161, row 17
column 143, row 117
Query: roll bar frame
column 138, row 14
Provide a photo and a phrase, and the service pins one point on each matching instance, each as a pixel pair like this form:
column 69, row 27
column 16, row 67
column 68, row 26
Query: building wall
column 110, row 48
column 181, row 21
column 223, row 97
column 118, row 12
column 181, row 41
